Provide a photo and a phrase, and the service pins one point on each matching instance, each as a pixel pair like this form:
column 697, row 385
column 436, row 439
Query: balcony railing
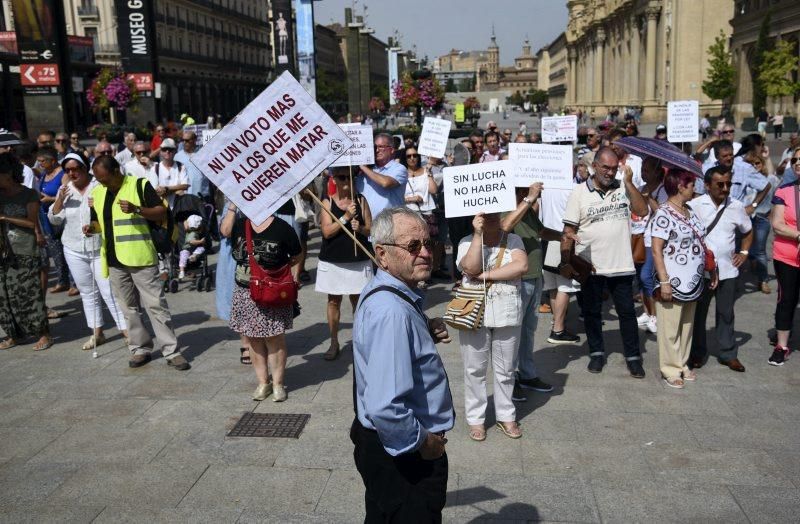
column 106, row 49
column 88, row 11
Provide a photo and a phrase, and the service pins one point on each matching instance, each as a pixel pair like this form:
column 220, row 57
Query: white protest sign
column 208, row 134
column 272, row 149
column 683, row 117
column 363, row 151
column 546, row 163
column 479, row 188
column 433, row 139
column 560, row 128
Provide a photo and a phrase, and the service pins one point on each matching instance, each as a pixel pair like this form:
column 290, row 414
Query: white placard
column 479, row 188
column 362, row 153
column 560, row 128
column 208, row 134
column 433, row 139
column 683, row 117
column 272, row 149
column 546, row 163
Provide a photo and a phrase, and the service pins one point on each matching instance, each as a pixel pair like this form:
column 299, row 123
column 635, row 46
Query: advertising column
column 137, row 50
column 393, row 75
column 305, row 46
column 282, row 29
column 41, row 37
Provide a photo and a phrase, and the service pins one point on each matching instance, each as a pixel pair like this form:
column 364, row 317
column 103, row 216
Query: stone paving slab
column 82, row 439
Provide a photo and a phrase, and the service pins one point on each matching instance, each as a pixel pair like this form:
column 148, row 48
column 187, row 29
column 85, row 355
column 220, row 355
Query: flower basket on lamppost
column 111, row 91
column 417, row 90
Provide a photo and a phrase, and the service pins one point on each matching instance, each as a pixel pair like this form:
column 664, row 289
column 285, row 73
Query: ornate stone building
column 551, row 64
column 785, row 24
column 522, row 76
column 641, row 53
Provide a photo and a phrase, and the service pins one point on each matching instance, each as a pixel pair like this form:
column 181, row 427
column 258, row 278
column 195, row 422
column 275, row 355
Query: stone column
column 634, row 69
column 572, row 87
column 650, row 68
column 599, row 66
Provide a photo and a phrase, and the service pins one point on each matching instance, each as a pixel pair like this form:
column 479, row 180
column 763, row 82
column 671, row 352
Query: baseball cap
column 194, row 221
column 491, row 125
column 168, row 143
column 661, row 128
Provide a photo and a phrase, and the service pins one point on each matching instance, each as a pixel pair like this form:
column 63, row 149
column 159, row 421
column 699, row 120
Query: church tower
column 493, row 64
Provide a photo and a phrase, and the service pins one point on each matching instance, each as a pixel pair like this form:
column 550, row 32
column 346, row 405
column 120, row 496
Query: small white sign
column 362, row 153
column 546, row 163
column 683, row 117
column 434, row 136
column 272, row 149
column 560, row 128
column 479, row 188
column 208, row 134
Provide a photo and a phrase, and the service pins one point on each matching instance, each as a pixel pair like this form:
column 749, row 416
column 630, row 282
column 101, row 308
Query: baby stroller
column 186, row 206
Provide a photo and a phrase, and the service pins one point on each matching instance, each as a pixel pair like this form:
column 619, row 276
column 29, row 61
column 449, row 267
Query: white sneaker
column 181, row 275
column 652, row 327
column 643, row 319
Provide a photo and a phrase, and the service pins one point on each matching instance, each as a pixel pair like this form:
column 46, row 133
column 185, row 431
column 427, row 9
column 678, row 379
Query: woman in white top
column 72, row 210
column 420, row 188
column 498, row 338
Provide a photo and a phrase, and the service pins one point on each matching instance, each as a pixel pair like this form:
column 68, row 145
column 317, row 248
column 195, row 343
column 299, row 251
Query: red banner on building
column 39, row 75
column 143, row 81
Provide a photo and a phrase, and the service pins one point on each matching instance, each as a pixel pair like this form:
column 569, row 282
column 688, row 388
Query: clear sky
column 436, row 26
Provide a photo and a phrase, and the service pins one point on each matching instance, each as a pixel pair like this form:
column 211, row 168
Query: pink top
column 784, row 249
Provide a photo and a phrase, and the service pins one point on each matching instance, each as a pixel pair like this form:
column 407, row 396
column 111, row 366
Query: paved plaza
column 92, row 440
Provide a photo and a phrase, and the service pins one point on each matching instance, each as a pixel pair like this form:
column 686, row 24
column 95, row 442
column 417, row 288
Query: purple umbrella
column 663, row 150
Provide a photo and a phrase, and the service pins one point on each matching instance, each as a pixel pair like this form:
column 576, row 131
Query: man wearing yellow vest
column 129, row 258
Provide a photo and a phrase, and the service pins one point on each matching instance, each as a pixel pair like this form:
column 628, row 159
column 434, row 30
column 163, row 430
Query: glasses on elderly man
column 414, row 246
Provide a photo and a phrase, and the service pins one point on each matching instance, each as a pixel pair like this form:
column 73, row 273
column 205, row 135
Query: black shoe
column 563, row 337
column 596, row 364
column 137, row 361
column 778, row 356
column 179, row 363
column 635, row 368
column 535, row 384
column 518, row 395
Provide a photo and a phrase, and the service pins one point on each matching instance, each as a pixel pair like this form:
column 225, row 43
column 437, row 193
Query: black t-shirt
column 272, row 248
column 286, row 209
column 151, row 199
column 339, row 248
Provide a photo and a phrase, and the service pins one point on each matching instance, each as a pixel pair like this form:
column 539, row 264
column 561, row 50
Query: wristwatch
column 744, row 252
column 138, row 210
column 528, row 200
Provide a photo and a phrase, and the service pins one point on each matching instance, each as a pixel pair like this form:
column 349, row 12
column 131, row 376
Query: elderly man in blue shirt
column 384, row 184
column 402, row 396
column 198, row 184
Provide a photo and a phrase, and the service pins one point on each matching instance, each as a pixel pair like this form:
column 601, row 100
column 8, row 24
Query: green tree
column 450, row 86
column 719, row 83
column 775, row 73
column 763, row 45
column 537, row 96
column 515, row 100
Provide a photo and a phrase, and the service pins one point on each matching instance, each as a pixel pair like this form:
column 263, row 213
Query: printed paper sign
column 479, row 188
column 272, row 149
column 683, row 117
column 560, row 128
column 362, row 153
column 208, row 134
column 433, row 139
column 549, row 164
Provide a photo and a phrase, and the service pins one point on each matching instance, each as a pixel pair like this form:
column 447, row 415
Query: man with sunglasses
column 383, row 184
column 403, row 404
column 592, row 143
column 172, row 179
column 62, row 145
column 198, row 184
column 722, row 217
column 728, row 132
column 141, row 166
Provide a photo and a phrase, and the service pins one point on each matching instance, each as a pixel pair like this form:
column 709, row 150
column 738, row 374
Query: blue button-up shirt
column 379, row 198
column 198, row 184
column 402, row 390
column 745, row 176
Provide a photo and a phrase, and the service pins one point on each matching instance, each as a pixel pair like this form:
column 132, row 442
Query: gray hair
column 146, row 145
column 382, row 230
column 129, row 135
column 385, row 136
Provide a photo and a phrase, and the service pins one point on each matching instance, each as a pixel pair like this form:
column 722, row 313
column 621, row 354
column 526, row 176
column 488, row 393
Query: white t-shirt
column 490, row 258
column 604, row 229
column 635, row 163
column 29, row 178
column 418, row 186
column 171, row 176
column 722, row 239
column 135, row 168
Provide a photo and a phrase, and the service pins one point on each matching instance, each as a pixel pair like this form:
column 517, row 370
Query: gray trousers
column 723, row 331
column 139, row 288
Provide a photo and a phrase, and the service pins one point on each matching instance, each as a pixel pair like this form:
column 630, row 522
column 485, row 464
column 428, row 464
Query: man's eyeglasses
column 414, row 246
column 98, row 153
column 723, row 185
column 381, row 146
column 167, row 150
column 138, row 153
column 60, row 140
column 728, row 131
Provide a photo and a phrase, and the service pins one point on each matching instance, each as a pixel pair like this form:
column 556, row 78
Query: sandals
column 8, row 343
column 53, row 314
column 93, row 342
column 41, row 346
column 58, row 288
column 510, row 433
column 675, row 382
column 245, row 359
column 333, row 352
column 477, row 434
column 689, row 376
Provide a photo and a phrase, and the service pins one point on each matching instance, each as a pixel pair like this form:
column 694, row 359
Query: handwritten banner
column 560, row 128
column 433, row 139
column 683, row 117
column 362, row 153
column 479, row 188
column 546, row 163
column 272, row 149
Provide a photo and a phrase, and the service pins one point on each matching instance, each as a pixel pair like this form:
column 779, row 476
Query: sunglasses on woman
column 414, row 246
column 794, row 160
column 413, row 155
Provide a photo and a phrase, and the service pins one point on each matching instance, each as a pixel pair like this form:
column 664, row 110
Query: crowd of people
column 651, row 233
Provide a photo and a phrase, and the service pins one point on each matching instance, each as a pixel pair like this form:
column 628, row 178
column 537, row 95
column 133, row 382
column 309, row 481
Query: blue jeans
column 531, row 295
column 758, row 250
column 621, row 289
column 646, row 273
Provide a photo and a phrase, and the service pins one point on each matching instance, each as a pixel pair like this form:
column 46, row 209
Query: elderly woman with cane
column 71, row 211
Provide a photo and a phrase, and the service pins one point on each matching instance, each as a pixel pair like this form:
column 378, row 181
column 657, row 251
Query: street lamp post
column 419, row 76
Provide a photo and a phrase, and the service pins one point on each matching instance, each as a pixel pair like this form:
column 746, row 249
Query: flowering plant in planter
column 111, row 89
column 426, row 93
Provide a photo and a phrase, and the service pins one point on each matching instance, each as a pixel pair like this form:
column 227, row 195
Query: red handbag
column 269, row 288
